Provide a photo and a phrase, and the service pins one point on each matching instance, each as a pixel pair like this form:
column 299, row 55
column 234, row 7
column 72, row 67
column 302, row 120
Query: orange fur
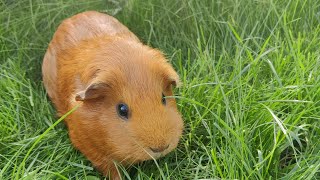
column 96, row 61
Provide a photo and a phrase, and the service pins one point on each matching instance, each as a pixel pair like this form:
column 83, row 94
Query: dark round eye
column 123, row 110
column 164, row 102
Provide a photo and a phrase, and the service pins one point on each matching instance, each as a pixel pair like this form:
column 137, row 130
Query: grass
column 250, row 96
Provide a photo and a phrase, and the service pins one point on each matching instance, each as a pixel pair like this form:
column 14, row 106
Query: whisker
column 144, row 149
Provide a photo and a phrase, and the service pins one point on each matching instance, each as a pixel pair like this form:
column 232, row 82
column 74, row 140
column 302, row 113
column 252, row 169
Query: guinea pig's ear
column 93, row 91
column 171, row 78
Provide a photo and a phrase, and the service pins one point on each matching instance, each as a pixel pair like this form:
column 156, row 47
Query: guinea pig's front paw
column 114, row 174
column 110, row 171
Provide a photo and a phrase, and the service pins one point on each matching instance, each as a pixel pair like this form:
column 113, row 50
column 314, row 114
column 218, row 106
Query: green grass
column 250, row 96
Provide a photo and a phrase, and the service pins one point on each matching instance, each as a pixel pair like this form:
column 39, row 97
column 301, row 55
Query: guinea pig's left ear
column 93, row 91
column 171, row 78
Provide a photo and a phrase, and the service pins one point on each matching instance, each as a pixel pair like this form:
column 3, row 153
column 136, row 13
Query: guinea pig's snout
column 159, row 149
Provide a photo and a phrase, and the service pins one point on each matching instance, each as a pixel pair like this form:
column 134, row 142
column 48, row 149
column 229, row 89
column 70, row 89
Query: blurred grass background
column 250, row 94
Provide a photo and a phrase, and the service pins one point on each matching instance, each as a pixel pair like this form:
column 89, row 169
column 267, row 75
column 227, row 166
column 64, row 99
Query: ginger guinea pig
column 120, row 85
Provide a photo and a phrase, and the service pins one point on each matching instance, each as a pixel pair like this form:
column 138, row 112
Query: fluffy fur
column 95, row 61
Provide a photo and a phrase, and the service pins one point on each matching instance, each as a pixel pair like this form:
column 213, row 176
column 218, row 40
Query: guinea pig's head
column 130, row 103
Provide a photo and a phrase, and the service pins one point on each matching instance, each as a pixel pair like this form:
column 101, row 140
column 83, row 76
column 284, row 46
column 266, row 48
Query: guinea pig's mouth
column 154, row 154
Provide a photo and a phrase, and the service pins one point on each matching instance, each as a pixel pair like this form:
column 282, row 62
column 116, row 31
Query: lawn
column 250, row 97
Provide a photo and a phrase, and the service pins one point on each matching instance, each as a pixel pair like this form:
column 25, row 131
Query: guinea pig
column 121, row 88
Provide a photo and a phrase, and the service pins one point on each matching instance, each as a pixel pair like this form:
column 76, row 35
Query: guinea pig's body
column 95, row 61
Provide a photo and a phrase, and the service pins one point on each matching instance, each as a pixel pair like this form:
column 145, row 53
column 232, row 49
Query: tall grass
column 250, row 94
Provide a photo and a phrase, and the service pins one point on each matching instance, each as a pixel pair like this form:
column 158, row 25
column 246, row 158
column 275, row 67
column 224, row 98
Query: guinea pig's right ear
column 93, row 91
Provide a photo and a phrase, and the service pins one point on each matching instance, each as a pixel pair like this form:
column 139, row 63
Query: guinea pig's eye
column 123, row 110
column 164, row 102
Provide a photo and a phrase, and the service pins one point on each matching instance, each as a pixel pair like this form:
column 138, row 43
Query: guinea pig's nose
column 159, row 149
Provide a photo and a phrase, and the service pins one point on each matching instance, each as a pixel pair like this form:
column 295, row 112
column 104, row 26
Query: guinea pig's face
column 149, row 125
column 137, row 115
